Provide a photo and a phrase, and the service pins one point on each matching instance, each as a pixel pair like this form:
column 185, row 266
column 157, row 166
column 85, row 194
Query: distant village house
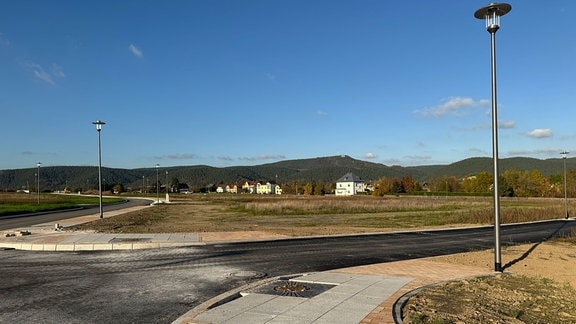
column 349, row 185
column 253, row 187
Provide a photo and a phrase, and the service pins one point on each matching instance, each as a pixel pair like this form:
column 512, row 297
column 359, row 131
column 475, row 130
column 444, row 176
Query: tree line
column 512, row 183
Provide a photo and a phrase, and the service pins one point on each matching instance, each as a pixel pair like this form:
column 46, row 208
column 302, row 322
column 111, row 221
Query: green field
column 22, row 203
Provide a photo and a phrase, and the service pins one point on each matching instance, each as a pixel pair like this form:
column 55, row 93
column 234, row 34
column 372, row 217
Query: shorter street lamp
column 38, row 183
column 167, row 195
column 564, row 154
column 99, row 124
column 157, row 186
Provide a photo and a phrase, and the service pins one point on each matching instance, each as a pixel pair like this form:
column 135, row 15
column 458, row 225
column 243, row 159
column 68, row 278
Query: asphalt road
column 16, row 221
column 158, row 286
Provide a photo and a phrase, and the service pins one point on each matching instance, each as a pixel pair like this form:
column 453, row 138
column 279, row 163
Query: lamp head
column 98, row 124
column 492, row 13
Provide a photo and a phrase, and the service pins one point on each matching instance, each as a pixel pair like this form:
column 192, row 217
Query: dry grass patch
column 318, row 215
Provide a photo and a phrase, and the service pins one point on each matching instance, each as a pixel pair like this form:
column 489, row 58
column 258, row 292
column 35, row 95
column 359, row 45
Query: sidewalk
column 364, row 294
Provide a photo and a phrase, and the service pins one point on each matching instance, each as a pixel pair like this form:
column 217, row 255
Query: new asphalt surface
column 364, row 294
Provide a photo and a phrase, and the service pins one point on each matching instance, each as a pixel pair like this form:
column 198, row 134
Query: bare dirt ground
column 537, row 286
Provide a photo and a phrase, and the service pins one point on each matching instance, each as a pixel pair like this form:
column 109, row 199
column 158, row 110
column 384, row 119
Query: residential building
column 349, row 185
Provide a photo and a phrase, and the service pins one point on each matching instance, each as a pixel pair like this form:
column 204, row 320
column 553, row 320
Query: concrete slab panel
column 285, row 319
column 252, row 318
column 278, row 305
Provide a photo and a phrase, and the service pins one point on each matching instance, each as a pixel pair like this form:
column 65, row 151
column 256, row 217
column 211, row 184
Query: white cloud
column 270, row 77
column 392, row 161
column 370, row 156
column 135, row 50
column 539, row 152
column 178, row 156
column 453, row 106
column 43, row 75
column 419, row 158
column 56, row 72
column 507, row 124
column 321, row 113
column 263, row 157
column 540, row 133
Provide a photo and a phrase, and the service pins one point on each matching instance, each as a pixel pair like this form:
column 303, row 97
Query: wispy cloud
column 540, row 133
column 262, row 157
column 370, row 156
column 48, row 76
column 178, row 156
column 452, row 106
column 135, row 50
column 554, row 152
column 57, row 71
column 224, row 158
column 271, row 77
column 321, row 113
column 507, row 124
column 392, row 162
column 418, row 158
column 3, row 40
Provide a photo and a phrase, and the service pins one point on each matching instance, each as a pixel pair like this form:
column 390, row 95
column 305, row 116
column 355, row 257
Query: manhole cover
column 292, row 288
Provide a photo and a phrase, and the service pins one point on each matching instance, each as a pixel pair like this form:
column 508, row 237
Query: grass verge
column 14, row 204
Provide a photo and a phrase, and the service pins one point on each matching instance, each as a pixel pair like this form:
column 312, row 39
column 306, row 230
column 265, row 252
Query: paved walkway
column 364, row 294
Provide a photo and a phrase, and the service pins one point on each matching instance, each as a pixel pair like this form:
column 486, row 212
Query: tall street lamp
column 564, row 154
column 99, row 124
column 157, row 186
column 38, row 183
column 492, row 13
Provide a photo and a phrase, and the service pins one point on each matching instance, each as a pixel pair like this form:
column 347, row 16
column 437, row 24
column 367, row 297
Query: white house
column 349, row 185
column 267, row 187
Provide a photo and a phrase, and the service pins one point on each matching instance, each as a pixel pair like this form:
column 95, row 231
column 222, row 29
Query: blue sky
column 228, row 82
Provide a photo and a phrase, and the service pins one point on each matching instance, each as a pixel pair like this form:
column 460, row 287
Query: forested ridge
column 325, row 170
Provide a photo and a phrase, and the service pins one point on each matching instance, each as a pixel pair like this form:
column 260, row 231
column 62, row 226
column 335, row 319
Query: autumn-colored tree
column 382, row 187
column 319, row 189
column 410, row 185
column 480, row 183
column 308, row 188
column 445, row 184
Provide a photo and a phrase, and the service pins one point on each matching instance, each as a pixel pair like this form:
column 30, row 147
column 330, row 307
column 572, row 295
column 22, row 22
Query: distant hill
column 326, row 169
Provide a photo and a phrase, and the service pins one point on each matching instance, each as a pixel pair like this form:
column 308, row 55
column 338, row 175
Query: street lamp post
column 167, row 194
column 38, row 183
column 492, row 13
column 99, row 124
column 157, row 186
column 564, row 155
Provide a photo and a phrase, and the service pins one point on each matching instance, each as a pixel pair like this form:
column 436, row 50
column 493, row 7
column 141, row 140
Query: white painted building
column 349, row 185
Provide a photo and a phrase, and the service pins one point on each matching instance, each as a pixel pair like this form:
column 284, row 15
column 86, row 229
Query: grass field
column 21, row 203
column 322, row 215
